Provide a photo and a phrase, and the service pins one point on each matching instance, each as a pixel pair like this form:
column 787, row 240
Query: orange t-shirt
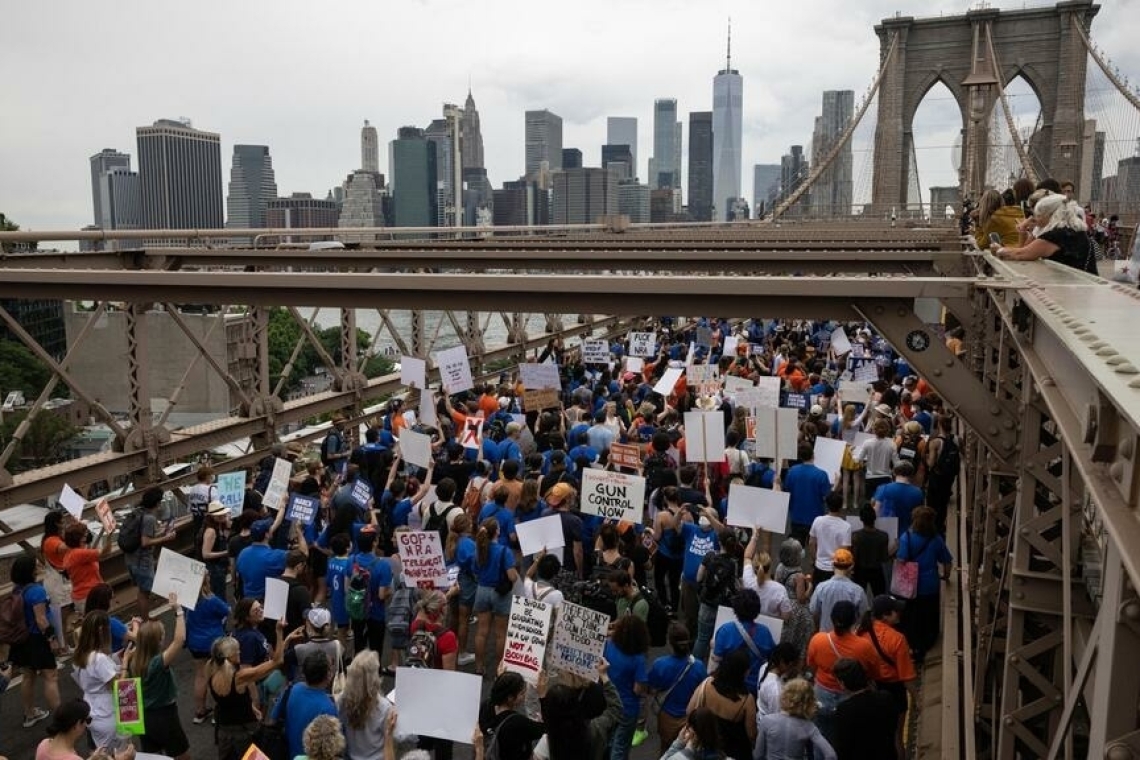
column 82, row 567
column 821, row 657
column 894, row 646
column 55, row 551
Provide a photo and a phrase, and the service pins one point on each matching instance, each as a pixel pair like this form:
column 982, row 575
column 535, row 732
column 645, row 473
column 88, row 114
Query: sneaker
column 36, row 717
column 200, row 718
column 639, row 736
column 466, row 658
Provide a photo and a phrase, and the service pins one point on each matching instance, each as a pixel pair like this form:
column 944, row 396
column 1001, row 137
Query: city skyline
column 315, row 140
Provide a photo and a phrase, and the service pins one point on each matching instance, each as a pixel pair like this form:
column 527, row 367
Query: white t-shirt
column 768, row 695
column 439, row 508
column 774, row 599
column 543, row 592
column 830, row 533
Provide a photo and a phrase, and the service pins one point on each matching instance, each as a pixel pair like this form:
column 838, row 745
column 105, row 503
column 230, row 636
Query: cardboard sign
column 231, row 491
column 734, row 384
column 127, row 695
column 275, row 492
column 704, row 337
column 750, row 428
column 443, row 704
column 774, row 625
column 538, row 376
column 276, row 598
column 889, row 525
column 361, row 493
column 749, row 507
column 829, row 456
column 730, row 344
column 421, row 553
column 527, row 629
column 595, row 351
column 625, row 455
column 840, row 342
column 579, row 640
column 704, row 436
column 472, row 433
column 642, row 344
column 543, row 533
column 415, row 448
column 302, row 509
column 867, row 373
column 668, row 380
column 634, row 364
column 427, row 408
column 539, row 399
column 454, row 370
column 413, row 372
column 777, row 433
column 106, row 516
column 179, row 574
column 613, row 495
column 72, row 502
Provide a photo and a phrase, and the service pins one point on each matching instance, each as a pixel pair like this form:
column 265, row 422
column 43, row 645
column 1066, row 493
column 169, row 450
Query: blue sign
column 361, row 493
column 303, row 509
column 231, row 490
column 796, row 401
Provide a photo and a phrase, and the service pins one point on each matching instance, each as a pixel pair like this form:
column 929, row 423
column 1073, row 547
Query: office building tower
column 633, row 201
column 120, row 193
column 571, row 158
column 622, row 130
column 478, row 196
column 543, row 141
column 302, row 211
column 831, row 193
column 252, row 186
column 105, row 160
column 728, row 123
column 793, row 171
column 415, row 179
column 521, row 203
column 678, row 168
column 369, row 148
column 582, row 195
column 363, row 204
column 181, row 172
column 701, row 166
column 438, row 133
column 662, row 171
column 765, row 188
column 619, row 159
column 663, row 205
column 472, row 135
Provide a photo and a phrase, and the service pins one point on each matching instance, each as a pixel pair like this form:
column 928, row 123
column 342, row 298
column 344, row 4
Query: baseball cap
column 843, row 558
column 318, row 617
column 260, row 529
column 558, row 493
column 884, row 604
column 217, row 508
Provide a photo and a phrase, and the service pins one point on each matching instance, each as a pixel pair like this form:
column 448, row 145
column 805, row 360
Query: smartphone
column 995, row 238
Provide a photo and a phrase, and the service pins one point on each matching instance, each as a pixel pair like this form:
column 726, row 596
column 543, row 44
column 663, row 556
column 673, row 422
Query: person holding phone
column 68, row 725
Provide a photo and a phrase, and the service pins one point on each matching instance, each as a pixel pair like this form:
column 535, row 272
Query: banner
column 595, row 351
column 538, row 376
column 179, row 574
column 274, row 497
column 302, row 509
column 361, row 493
column 421, row 554
column 579, row 639
column 231, row 491
column 454, row 370
column 527, row 629
column 702, row 379
column 613, row 495
column 541, row 398
column 642, row 344
column 625, row 455
column 472, row 433
column 127, row 694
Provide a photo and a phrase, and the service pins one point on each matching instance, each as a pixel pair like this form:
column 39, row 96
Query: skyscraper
column 543, row 141
column 678, row 151
column 728, row 111
column 363, row 203
column 584, row 194
column 622, row 130
column 414, row 179
column 104, row 161
column 116, row 195
column 472, row 135
column 662, row 171
column 619, row 158
column 571, row 158
column 252, row 186
column 369, row 148
column 633, row 201
column 831, row 194
column 181, row 172
column 438, row 133
column 793, row 171
column 701, row 166
column 301, row 210
column 765, row 187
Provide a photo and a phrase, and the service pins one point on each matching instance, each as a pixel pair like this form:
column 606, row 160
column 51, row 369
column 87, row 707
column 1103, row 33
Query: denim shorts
column 143, row 577
column 468, row 587
column 486, row 600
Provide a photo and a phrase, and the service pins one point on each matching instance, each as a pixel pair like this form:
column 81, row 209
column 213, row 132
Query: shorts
column 468, row 587
column 198, row 655
column 33, row 653
column 486, row 600
column 164, row 734
column 143, row 577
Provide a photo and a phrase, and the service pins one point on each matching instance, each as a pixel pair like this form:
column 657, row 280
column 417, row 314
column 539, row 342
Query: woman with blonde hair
column 850, row 470
column 494, row 568
column 787, row 733
column 323, row 739
column 996, row 217
column 150, row 662
column 757, row 576
column 205, row 624
column 95, row 669
column 1061, row 236
column 363, row 708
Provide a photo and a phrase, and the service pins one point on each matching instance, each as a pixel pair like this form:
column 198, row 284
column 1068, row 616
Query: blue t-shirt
column 34, row 594
column 625, row 671
column 256, row 563
column 305, row 704
column 898, row 500
column 340, row 570
column 400, row 512
column 665, row 672
column 118, row 634
column 381, row 578
column 509, row 449
column 927, row 552
column 503, row 516
column 807, row 487
column 252, row 646
column 357, row 527
column 465, row 554
column 499, row 559
column 727, row 638
column 698, row 543
column 206, row 623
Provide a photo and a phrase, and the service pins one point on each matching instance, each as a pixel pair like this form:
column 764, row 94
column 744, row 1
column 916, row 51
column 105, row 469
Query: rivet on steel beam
column 1114, row 360
column 1135, row 383
column 1098, row 345
column 1107, row 351
column 1116, row 470
column 992, row 430
column 1087, row 337
column 1131, row 610
column 1119, row 752
column 995, row 410
column 1126, row 369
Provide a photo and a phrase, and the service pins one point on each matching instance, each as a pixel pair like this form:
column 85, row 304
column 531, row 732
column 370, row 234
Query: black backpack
column 327, row 447
column 437, row 521
column 719, row 585
column 658, row 619
column 949, row 458
column 130, row 532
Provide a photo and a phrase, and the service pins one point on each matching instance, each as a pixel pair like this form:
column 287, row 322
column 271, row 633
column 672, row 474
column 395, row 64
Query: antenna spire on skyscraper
column 728, row 60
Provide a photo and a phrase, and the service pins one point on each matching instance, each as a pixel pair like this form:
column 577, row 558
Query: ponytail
column 488, row 532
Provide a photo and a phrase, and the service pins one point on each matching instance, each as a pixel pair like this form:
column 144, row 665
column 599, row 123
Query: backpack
column 656, row 465
column 472, row 501
column 357, row 598
column 720, row 581
column 908, row 449
column 658, row 619
column 949, row 458
column 423, row 649
column 491, row 738
column 496, row 430
column 399, row 609
column 130, row 533
column 438, row 521
column 328, row 448
column 13, row 622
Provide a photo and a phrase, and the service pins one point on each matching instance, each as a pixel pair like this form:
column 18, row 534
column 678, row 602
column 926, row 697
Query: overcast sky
column 301, row 77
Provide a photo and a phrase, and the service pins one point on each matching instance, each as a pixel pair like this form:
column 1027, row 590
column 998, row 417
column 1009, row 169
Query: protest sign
column 866, row 373
column 643, row 344
column 777, row 433
column 625, row 455
column 730, row 344
column 889, row 525
column 231, row 491
column 613, row 495
column 839, row 341
column 527, row 628
column 413, row 372
column 634, row 364
column 537, row 376
column 179, row 574
column 854, row 391
column 829, row 456
column 275, row 492
column 749, row 507
column 702, row 378
column 768, row 392
column 106, row 516
column 858, row 443
column 734, row 384
column 668, row 380
column 72, row 502
column 595, row 351
column 472, row 433
column 427, row 408
column 443, row 704
column 750, row 428
column 579, row 639
column 704, row 337
column 543, row 533
column 127, row 695
column 454, row 370
column 774, row 625
column 798, row 401
column 361, row 493
column 415, row 448
column 704, row 436
column 421, row 553
column 690, row 354
column 276, row 598
column 540, row 398
column 253, row 753
column 302, row 509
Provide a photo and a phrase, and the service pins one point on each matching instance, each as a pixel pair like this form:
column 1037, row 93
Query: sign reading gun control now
column 613, row 495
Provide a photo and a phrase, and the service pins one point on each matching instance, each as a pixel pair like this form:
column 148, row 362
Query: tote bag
column 904, row 576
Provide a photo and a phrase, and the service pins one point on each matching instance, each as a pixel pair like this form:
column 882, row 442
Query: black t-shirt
column 460, row 472
column 870, row 548
column 516, row 732
column 299, row 600
column 1074, row 248
column 865, row 726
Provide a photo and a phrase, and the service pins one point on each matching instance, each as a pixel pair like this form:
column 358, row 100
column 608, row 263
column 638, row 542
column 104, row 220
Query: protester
column 786, row 734
column 34, row 656
column 1061, row 236
column 698, row 740
column 363, row 708
column 100, row 599
column 826, row 649
column 717, row 581
column 670, row 547
column 746, row 634
column 494, row 568
column 899, row 498
column 68, row 725
column 142, row 562
column 432, row 645
column 838, row 588
column 95, row 669
column 673, row 678
column 249, row 614
column 774, row 600
column 560, row 500
column 54, row 550
column 783, row 665
column 879, row 454
column 205, row 624
column 304, row 701
column 214, row 546
column 700, row 538
column 828, row 533
column 725, row 693
column 625, row 652
column 897, row 676
column 922, row 544
column 799, row 624
column 81, row 563
column 580, row 717
column 150, row 662
column 512, row 732
column 864, row 719
column 323, row 739
column 871, row 549
column 807, row 487
column 319, row 637
column 943, row 454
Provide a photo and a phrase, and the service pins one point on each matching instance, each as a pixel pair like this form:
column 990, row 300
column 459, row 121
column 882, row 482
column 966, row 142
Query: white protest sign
column 595, row 351
column 749, row 507
column 421, row 553
column 734, row 384
column 692, row 352
column 857, row 444
column 179, row 574
column 275, row 492
column 427, row 408
column 889, row 525
column 774, row 625
column 829, row 456
column 302, row 509
column 409, row 418
column 413, row 372
column 613, row 495
column 730, row 344
column 415, row 448
column 472, row 433
column 866, row 373
column 634, row 364
column 643, row 344
column 668, row 380
column 527, row 629
column 231, row 491
column 543, row 533
column 839, row 341
column 443, row 704
column 704, row 436
column 768, row 392
column 537, row 376
column 454, row 370
column 72, row 502
column 854, row 391
column 777, row 433
column 276, row 598
column 579, row 639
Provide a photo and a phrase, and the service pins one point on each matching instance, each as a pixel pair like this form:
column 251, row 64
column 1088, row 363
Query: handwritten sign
column 178, row 574
column 421, row 553
column 866, row 373
column 415, row 448
column 454, row 369
column 643, row 344
column 443, row 704
column 413, row 372
column 527, row 629
column 634, row 364
column 128, row 698
column 704, row 436
column 625, row 455
column 749, row 507
column 72, row 502
column 536, row 376
column 427, row 408
column 231, row 490
column 540, row 398
column 595, row 351
column 106, row 516
column 579, row 639
column 703, row 379
column 302, row 509
column 472, row 433
column 274, row 496
column 730, row 344
column 613, row 495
